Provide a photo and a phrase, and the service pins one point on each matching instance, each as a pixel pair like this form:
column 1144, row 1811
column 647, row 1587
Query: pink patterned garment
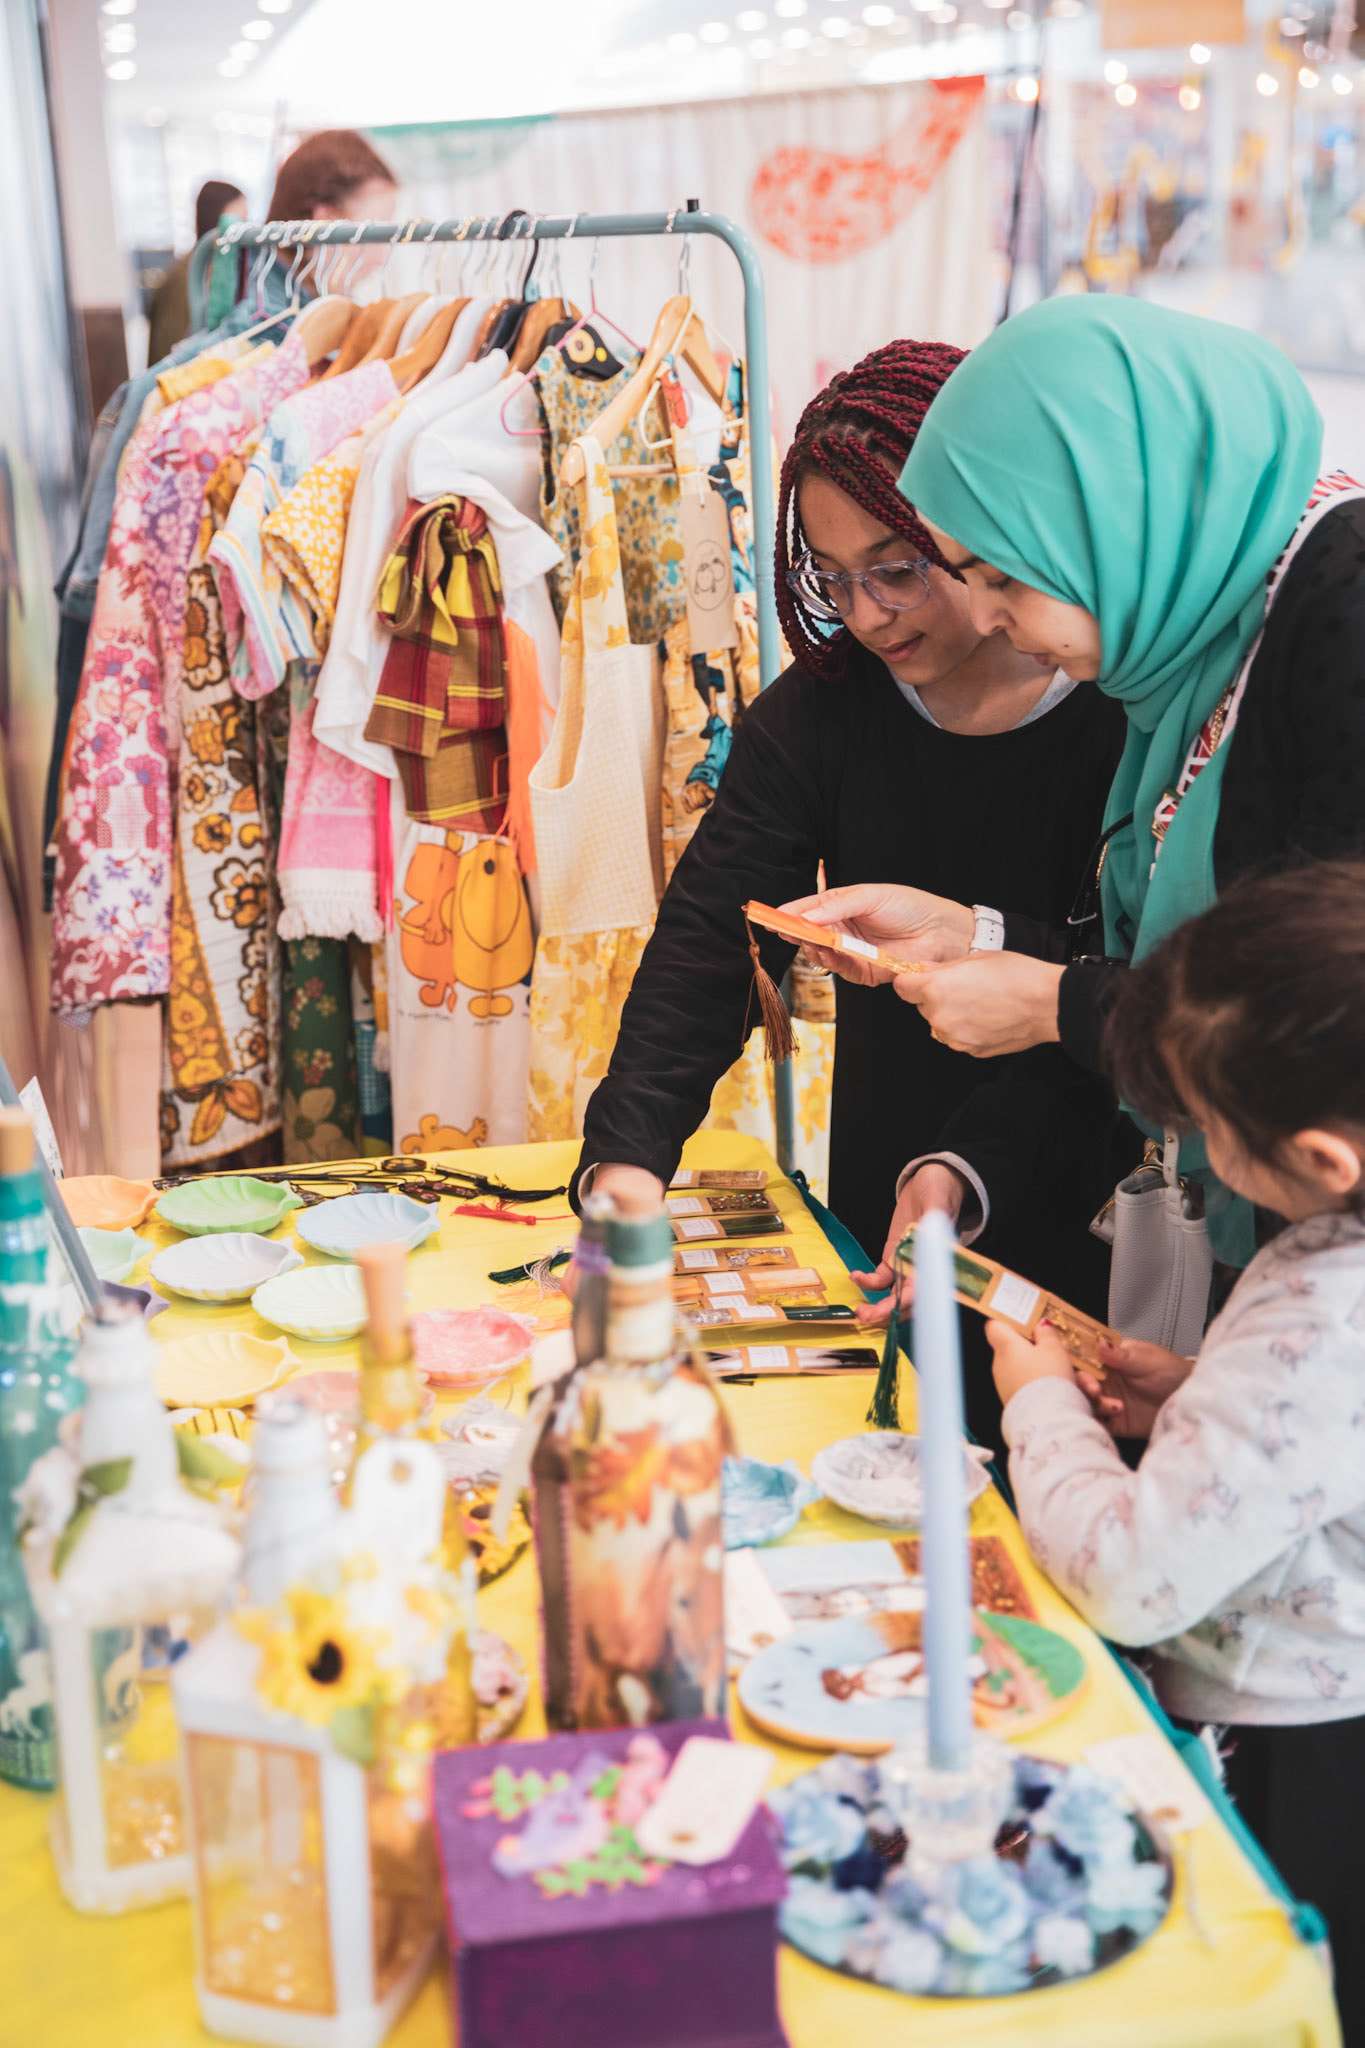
column 111, row 926
column 266, row 626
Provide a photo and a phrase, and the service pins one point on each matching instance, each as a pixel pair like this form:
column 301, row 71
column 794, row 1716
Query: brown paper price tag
column 707, row 567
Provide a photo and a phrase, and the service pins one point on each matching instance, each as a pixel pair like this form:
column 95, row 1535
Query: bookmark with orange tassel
column 802, row 931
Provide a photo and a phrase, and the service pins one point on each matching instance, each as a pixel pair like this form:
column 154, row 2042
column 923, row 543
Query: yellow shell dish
column 220, row 1369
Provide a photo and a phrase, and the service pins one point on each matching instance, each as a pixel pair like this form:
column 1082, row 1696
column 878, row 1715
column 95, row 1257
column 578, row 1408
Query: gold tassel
column 776, row 1018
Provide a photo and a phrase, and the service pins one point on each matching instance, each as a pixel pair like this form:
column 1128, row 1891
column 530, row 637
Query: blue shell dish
column 763, row 1502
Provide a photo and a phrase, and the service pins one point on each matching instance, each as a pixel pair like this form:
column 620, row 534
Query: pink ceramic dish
column 469, row 1347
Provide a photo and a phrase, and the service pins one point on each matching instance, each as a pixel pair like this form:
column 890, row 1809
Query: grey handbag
column 1162, row 1262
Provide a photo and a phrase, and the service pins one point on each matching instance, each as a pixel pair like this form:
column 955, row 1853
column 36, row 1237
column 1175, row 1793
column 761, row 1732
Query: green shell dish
column 1058, row 1663
column 237, row 1202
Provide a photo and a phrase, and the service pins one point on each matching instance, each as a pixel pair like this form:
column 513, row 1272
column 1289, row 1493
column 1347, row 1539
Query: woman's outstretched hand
column 932, row 1187
column 909, row 923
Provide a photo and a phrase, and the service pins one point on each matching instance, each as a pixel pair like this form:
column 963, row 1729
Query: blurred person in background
column 170, row 309
column 337, row 175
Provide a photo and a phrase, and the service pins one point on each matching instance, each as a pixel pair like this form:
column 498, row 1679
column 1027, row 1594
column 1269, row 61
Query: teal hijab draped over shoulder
column 1150, row 466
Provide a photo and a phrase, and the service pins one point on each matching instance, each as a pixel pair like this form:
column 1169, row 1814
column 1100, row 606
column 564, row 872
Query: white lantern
column 140, row 1569
column 316, row 1892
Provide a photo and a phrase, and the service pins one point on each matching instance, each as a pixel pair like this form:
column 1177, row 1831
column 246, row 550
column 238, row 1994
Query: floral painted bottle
column 139, row 1569
column 38, row 1390
column 315, row 1888
column 642, row 1438
column 551, row 1501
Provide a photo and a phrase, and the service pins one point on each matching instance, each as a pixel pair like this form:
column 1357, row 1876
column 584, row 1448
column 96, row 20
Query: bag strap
column 599, row 580
column 1170, row 1158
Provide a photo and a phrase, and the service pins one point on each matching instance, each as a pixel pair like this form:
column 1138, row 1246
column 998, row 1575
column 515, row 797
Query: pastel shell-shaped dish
column 238, row 1202
column 347, row 1224
column 468, row 1347
column 762, row 1502
column 114, row 1254
column 878, row 1476
column 106, row 1201
column 322, row 1303
column 228, row 1266
column 220, row 1369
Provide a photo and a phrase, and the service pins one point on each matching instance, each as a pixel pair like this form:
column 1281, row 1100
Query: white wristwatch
column 988, row 932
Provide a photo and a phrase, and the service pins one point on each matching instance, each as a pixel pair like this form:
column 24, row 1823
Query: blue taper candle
column 943, row 1528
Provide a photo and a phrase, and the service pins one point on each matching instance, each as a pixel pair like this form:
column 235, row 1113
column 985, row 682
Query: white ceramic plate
column 225, row 1267
column 878, row 1475
column 322, row 1303
column 114, row 1254
column 347, row 1224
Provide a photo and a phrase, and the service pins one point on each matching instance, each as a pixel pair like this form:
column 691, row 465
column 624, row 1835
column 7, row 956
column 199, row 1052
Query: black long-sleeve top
column 849, row 773
column 1294, row 780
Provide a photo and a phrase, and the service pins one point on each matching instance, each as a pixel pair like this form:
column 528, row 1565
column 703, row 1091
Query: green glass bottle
column 38, row 1390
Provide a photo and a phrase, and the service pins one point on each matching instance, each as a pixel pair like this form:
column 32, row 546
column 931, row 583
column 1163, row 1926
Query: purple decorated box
column 565, row 1935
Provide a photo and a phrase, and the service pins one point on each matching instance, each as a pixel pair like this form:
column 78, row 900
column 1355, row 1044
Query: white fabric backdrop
column 870, row 207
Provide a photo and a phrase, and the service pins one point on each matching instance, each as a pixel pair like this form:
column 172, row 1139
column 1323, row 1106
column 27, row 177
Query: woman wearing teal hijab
column 1116, row 484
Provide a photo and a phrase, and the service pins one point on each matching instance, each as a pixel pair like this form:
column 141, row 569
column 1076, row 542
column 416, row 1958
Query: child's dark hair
column 1254, row 1011
column 858, row 432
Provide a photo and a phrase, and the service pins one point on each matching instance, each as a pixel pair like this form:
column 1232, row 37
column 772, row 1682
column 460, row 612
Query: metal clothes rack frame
column 522, row 226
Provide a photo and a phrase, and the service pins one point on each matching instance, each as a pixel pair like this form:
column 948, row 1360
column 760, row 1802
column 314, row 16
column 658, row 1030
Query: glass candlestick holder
column 948, row 1815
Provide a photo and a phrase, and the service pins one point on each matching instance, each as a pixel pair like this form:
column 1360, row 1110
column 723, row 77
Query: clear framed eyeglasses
column 828, row 593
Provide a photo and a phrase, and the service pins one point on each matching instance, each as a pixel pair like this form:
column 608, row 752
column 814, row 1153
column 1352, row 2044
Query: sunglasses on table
column 829, row 593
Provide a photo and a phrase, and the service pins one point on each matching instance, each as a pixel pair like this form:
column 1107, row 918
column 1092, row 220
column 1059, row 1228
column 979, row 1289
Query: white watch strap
column 988, row 932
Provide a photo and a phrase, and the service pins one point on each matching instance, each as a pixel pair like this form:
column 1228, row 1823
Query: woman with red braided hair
column 901, row 745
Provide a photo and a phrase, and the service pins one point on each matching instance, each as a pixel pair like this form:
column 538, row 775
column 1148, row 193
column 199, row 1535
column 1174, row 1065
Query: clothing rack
column 518, row 225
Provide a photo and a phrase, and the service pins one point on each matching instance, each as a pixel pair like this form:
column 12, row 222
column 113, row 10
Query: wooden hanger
column 415, row 362
column 359, row 335
column 673, row 335
column 544, row 315
column 385, row 344
column 323, row 326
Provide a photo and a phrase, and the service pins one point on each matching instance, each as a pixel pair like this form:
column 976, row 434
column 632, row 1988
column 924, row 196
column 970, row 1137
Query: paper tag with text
column 708, row 1799
column 754, row 1616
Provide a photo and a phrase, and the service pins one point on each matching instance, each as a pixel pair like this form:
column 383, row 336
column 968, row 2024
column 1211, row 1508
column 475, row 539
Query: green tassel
column 884, row 1412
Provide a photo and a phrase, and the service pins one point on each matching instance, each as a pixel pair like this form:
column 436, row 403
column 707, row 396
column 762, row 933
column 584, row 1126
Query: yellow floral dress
column 632, row 590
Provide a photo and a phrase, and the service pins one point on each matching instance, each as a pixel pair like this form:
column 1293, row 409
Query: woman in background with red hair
column 900, row 744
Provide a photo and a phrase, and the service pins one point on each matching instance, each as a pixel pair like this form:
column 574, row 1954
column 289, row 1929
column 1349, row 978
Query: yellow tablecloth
column 1230, row 1974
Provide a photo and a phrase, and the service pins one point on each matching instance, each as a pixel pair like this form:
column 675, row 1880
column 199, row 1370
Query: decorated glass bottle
column 38, row 1390
column 642, row 1438
column 391, row 1392
column 139, row 1569
column 550, row 1498
column 314, row 1887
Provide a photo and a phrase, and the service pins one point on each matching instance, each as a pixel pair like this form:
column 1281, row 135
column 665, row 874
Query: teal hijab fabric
column 1151, row 467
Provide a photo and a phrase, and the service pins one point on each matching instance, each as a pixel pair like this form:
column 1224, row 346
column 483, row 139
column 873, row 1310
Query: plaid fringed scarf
column 442, row 703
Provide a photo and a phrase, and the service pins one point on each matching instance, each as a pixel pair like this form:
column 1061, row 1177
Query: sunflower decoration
column 320, row 1665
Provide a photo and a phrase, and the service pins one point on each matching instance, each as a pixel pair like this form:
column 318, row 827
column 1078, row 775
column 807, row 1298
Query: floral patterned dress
column 581, row 979
column 113, row 842
column 222, row 1085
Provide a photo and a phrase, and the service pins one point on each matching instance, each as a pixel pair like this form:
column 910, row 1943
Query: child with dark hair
column 1236, row 1550
column 900, row 743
